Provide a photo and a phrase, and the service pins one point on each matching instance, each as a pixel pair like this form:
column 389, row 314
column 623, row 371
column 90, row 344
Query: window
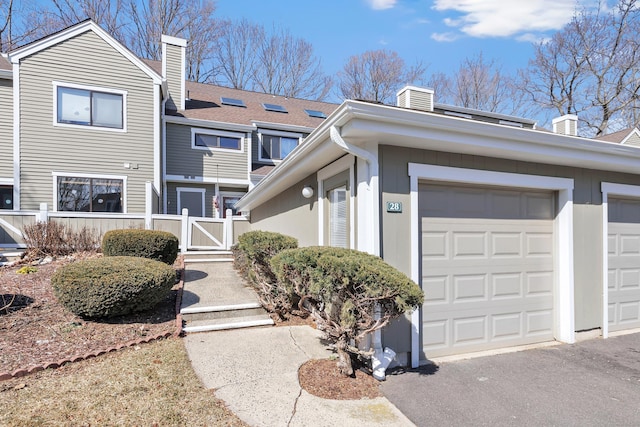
column 78, row 194
column 6, row 197
column 338, row 229
column 87, row 107
column 205, row 139
column 227, row 203
column 274, row 107
column 277, row 146
column 316, row 114
column 232, row 101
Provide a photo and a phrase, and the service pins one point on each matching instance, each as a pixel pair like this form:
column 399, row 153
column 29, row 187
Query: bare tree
column 376, row 76
column 590, row 68
column 236, row 53
column 105, row 13
column 287, row 67
column 15, row 28
column 482, row 85
column 250, row 58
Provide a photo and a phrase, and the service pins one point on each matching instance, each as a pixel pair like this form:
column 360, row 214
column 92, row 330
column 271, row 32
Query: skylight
column 316, row 113
column 274, row 107
column 232, row 101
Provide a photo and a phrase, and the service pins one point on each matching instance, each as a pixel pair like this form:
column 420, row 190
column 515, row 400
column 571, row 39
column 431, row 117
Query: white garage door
column 624, row 264
column 487, row 268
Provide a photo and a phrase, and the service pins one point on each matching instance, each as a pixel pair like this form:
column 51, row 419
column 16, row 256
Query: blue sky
column 440, row 33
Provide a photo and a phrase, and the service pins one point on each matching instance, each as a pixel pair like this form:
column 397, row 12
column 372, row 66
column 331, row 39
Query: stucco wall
column 290, row 213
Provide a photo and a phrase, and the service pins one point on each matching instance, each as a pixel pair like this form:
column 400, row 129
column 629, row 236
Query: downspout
column 380, row 359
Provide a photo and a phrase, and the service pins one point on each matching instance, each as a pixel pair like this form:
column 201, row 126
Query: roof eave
column 411, row 128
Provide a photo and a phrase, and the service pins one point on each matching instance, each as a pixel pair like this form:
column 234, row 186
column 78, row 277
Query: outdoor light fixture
column 307, row 192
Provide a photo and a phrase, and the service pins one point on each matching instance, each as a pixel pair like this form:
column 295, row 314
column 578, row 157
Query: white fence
column 193, row 233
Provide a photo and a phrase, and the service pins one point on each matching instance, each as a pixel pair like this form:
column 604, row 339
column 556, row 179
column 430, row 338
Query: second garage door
column 624, row 264
column 487, row 267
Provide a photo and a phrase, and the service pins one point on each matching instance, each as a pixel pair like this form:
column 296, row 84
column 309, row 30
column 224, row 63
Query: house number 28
column 394, row 207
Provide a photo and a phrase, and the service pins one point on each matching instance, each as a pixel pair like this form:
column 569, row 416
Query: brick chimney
column 173, row 69
column 566, row 125
column 415, row 98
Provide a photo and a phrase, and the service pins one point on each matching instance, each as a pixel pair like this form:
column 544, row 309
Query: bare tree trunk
column 344, row 358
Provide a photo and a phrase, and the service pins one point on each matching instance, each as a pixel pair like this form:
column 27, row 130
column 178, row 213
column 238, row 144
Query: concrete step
column 228, row 323
column 207, row 256
column 215, row 297
column 222, row 312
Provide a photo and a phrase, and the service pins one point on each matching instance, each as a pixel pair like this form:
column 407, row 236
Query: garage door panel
column 487, row 268
column 624, row 264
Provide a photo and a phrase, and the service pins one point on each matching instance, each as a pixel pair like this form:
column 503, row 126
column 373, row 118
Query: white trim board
column 610, row 189
column 564, row 316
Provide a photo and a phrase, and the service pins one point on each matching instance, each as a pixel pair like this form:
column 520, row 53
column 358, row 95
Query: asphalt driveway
column 591, row 383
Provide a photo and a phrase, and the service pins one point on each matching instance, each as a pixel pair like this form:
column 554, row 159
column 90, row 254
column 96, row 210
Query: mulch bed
column 36, row 330
column 321, row 378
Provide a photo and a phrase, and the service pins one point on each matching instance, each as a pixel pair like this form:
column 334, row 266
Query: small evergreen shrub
column 151, row 244
column 251, row 258
column 112, row 286
column 342, row 289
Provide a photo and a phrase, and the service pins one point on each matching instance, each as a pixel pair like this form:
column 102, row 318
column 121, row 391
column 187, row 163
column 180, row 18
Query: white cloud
column 445, row 37
column 382, row 4
column 500, row 18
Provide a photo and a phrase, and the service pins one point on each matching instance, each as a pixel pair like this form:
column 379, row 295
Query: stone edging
column 54, row 365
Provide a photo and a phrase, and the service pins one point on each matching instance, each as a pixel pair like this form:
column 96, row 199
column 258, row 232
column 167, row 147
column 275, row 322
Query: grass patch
column 152, row 384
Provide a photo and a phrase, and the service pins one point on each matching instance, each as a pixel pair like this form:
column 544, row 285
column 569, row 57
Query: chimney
column 173, row 69
column 415, row 98
column 566, row 125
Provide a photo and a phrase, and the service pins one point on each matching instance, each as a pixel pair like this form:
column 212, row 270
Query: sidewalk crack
column 298, row 346
column 295, row 407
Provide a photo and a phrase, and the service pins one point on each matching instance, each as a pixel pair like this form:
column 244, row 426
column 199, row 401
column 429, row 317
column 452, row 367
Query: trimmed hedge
column 152, row 244
column 112, row 286
column 342, row 288
column 251, row 258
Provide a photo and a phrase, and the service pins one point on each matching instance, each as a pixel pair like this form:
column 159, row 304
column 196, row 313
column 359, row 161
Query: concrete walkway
column 255, row 372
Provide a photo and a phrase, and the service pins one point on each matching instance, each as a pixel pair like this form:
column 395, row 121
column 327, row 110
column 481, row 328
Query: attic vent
column 416, row 98
column 232, row 101
column 274, row 107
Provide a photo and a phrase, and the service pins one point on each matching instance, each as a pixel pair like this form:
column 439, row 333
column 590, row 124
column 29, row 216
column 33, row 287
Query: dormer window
column 210, row 139
column 275, row 146
column 88, row 106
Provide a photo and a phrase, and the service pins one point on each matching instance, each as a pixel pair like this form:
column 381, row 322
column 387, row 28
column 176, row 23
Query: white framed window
column 89, row 107
column 209, row 139
column 89, row 193
column 6, row 196
column 275, row 146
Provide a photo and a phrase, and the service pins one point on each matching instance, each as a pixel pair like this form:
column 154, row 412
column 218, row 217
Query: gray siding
column 290, row 213
column 6, row 128
column 186, row 161
column 634, row 140
column 172, row 197
column 174, row 76
column 587, row 215
column 88, row 60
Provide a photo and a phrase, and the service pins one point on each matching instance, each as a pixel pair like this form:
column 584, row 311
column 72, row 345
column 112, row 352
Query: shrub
column 112, row 286
column 152, row 244
column 251, row 257
column 342, row 289
column 53, row 238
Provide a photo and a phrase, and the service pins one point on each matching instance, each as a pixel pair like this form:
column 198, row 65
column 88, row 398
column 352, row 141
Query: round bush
column 112, row 286
column 152, row 244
